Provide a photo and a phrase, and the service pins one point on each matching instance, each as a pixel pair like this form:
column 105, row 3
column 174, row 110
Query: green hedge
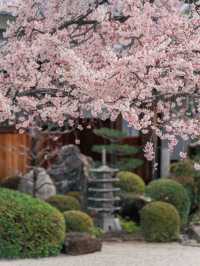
column 130, row 183
column 77, row 221
column 29, row 227
column 172, row 192
column 160, row 222
column 64, row 203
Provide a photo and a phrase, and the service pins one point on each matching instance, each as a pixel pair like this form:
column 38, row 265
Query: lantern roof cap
column 104, row 169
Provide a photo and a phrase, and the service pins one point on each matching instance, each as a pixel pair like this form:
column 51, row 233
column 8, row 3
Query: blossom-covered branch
column 66, row 60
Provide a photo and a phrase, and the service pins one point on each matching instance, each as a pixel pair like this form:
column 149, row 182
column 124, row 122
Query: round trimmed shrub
column 172, row 192
column 130, row 183
column 190, row 187
column 29, row 227
column 183, row 168
column 77, row 221
column 64, row 203
column 160, row 222
column 75, row 194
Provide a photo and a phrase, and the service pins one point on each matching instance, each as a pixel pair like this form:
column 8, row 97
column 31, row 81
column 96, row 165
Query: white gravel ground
column 124, row 254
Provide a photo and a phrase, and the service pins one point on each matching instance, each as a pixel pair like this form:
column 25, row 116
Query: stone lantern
column 102, row 196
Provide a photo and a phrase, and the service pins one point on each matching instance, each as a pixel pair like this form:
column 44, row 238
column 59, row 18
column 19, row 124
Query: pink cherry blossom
column 69, row 60
column 149, row 151
column 183, row 155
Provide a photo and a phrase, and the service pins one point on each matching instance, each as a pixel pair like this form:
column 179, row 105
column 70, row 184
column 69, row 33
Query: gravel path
column 124, row 254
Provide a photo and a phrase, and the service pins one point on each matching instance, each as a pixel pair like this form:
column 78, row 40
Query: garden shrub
column 77, row 221
column 64, row 203
column 189, row 184
column 75, row 194
column 29, row 227
column 130, row 183
column 160, row 222
column 183, row 168
column 129, row 227
column 172, row 192
column 96, row 232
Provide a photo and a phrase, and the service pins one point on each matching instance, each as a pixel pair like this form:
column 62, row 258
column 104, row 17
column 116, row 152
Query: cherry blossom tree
column 65, row 60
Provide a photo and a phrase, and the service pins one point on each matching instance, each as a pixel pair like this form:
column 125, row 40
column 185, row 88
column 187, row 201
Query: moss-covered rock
column 29, row 227
column 172, row 192
column 77, row 221
column 130, row 183
column 64, row 203
column 160, row 222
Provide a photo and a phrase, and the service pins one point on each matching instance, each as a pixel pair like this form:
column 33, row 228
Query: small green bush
column 183, row 168
column 77, row 221
column 129, row 226
column 160, row 222
column 64, row 203
column 75, row 194
column 96, row 232
column 189, row 184
column 29, row 227
column 184, row 172
column 130, row 183
column 172, row 192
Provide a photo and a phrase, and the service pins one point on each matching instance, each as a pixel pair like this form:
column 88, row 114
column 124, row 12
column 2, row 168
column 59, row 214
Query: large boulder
column 37, row 183
column 81, row 243
column 71, row 170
